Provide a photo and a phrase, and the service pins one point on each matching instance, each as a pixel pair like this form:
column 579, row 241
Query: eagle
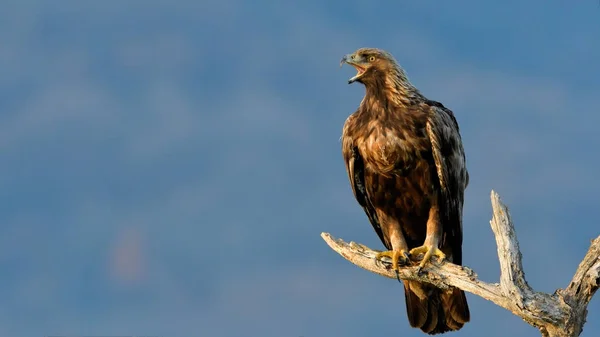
column 407, row 169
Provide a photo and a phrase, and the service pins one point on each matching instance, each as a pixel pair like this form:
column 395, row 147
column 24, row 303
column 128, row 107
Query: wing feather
column 450, row 162
column 355, row 167
column 356, row 173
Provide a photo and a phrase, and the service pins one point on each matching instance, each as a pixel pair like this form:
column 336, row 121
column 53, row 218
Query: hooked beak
column 357, row 62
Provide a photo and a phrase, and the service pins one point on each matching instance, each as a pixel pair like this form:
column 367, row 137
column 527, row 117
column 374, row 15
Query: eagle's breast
column 387, row 145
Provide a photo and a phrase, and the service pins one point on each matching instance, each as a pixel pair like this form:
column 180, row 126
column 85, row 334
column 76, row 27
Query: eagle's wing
column 355, row 167
column 449, row 158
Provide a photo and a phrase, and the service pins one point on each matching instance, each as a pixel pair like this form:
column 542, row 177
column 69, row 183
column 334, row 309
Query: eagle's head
column 371, row 64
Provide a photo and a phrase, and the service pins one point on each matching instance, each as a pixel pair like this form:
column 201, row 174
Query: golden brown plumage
column 406, row 165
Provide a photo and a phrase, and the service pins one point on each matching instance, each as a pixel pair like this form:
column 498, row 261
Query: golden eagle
column 406, row 164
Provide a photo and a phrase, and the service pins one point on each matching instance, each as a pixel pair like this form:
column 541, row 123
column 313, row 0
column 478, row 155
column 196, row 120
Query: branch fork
column 561, row 314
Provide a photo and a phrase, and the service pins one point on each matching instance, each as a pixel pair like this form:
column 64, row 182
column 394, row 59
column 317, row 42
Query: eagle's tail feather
column 435, row 311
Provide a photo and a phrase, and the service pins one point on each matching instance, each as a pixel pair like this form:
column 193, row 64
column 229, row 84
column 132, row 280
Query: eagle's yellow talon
column 428, row 251
column 396, row 256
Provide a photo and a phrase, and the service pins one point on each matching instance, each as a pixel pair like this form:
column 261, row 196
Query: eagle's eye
column 371, row 58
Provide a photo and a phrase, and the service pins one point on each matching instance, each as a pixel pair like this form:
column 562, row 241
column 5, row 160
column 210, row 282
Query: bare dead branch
column 512, row 277
column 561, row 314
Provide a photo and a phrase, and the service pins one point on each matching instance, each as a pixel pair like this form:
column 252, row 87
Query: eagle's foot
column 398, row 257
column 429, row 251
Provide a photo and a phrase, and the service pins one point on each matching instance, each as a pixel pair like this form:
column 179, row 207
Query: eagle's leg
column 432, row 239
column 399, row 253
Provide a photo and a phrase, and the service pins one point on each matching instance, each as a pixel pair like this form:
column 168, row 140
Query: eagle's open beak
column 357, row 62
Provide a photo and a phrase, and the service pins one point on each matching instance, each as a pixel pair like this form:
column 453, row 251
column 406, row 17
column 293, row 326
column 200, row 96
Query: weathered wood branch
column 561, row 314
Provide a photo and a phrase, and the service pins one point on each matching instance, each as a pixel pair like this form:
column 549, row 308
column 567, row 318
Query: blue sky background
column 167, row 167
